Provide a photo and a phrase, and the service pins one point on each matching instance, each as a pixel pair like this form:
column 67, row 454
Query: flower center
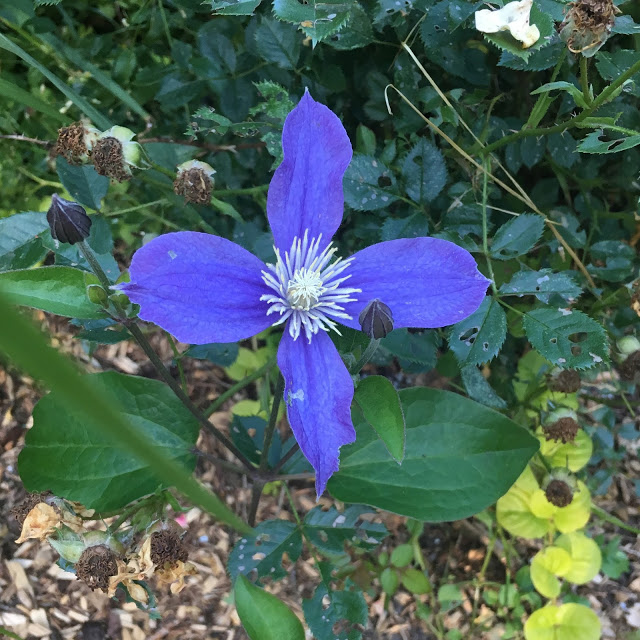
column 307, row 287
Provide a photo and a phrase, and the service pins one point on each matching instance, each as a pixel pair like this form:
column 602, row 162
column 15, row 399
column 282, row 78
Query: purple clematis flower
column 203, row 288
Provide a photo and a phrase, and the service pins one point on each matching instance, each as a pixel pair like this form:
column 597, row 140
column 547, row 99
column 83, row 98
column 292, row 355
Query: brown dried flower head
column 559, row 493
column 166, row 548
column 75, row 142
column 565, row 381
column 22, row 509
column 630, row 368
column 45, row 518
column 96, row 566
column 108, row 159
column 194, row 182
column 587, row 25
column 565, row 429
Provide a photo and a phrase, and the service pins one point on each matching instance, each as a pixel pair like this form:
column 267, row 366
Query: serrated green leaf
column 347, row 608
column 539, row 60
column 318, row 20
column 612, row 65
column 424, row 172
column 460, row 458
column 329, row 530
column 563, row 149
column 262, row 551
column 59, row 290
column 234, row 7
column 414, row 347
column 63, row 456
column 380, row 405
column 413, row 226
column 479, row 389
column 617, row 257
column 478, row 338
column 517, row 236
column 570, row 339
column 368, row 184
column 278, row 43
column 356, row 35
column 593, row 143
column 263, row 616
column 542, row 284
column 85, row 185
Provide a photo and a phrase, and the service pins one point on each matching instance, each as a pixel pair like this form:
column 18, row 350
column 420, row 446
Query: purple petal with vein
column 426, row 282
column 199, row 287
column 318, row 392
column 306, row 189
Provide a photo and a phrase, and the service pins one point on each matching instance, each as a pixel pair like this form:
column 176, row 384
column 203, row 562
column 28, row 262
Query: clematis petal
column 426, row 282
column 318, row 392
column 306, row 190
column 199, row 287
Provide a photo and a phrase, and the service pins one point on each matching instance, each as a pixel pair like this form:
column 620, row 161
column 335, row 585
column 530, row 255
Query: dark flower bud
column 559, row 493
column 565, row 381
column 167, row 548
column 194, row 182
column 96, row 565
column 376, row 319
column 67, row 220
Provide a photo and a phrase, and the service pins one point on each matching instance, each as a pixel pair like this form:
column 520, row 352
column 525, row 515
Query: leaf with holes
column 599, row 142
column 318, row 20
column 329, row 530
column 346, row 614
column 542, row 284
column 517, row 236
column 368, row 184
column 262, row 552
column 478, row 338
column 569, row 339
column 424, row 172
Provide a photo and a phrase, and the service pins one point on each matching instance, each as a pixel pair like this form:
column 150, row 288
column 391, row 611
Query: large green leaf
column 17, row 233
column 368, row 184
column 460, row 458
column 568, row 338
column 517, row 236
column 263, row 616
column 59, row 290
column 84, row 183
column 424, row 171
column 542, row 284
column 278, row 42
column 318, row 20
column 62, row 455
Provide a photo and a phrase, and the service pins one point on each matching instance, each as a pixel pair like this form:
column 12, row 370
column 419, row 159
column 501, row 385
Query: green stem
column 607, row 517
column 248, row 191
column 286, row 457
column 178, row 358
column 129, row 511
column 366, row 356
column 229, row 393
column 584, row 79
column 545, row 462
column 485, row 241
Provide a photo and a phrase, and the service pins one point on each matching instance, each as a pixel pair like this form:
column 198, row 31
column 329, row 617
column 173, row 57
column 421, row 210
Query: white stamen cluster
column 307, row 288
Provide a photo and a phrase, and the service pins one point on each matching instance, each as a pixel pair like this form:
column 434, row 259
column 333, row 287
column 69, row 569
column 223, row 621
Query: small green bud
column 97, row 295
column 627, row 346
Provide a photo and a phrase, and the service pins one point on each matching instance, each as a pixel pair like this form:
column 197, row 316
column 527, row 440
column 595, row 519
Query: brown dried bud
column 559, row 493
column 630, row 367
column 566, row 381
column 68, row 220
column 96, row 565
column 565, row 429
column 194, row 182
column 587, row 25
column 22, row 509
column 167, row 548
column 74, row 142
column 108, row 159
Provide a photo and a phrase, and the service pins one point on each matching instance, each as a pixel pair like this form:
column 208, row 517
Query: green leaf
column 413, row 347
column 615, row 562
column 263, row 616
column 368, row 184
column 389, row 581
column 346, row 614
column 542, row 284
column 414, row 226
column 10, row 91
column 62, row 456
column 612, row 65
column 59, row 290
column 356, row 35
column 568, row 338
column 17, row 233
column 329, row 530
column 279, row 43
column 544, row 58
column 593, row 143
column 416, row 582
column 261, row 552
column 479, row 389
column 83, row 183
column 561, row 85
column 617, row 257
column 222, row 354
column 402, row 555
column 424, row 172
column 517, row 236
column 460, row 458
column 27, row 347
column 234, row 7
column 318, row 20
column 478, row 338
column 380, row 405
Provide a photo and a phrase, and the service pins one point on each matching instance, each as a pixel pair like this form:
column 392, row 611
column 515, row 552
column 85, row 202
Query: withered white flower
column 513, row 17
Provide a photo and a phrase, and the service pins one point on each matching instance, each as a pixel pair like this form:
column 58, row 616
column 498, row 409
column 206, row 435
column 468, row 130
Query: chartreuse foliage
column 557, row 237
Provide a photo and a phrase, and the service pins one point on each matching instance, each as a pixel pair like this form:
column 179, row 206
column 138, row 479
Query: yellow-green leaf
column 573, row 455
column 586, row 558
column 546, row 566
column 568, row 622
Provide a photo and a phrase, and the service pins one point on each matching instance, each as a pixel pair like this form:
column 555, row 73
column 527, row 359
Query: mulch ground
column 40, row 600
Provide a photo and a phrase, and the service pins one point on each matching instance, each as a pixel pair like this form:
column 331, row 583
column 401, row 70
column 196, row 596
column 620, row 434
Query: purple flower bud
column 67, row 220
column 376, row 319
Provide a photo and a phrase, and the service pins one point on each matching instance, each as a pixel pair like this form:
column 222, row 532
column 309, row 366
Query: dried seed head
column 167, row 548
column 96, row 565
column 565, row 381
column 559, row 493
column 587, row 25
column 108, row 159
column 67, row 220
column 565, row 429
column 75, row 142
column 194, row 182
column 22, row 509
column 376, row 319
column 630, row 368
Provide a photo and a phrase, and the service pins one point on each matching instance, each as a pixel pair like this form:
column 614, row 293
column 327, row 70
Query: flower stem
column 245, row 382
column 366, row 356
column 286, row 457
column 140, row 338
column 248, row 191
column 607, row 517
column 584, row 79
column 485, row 241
